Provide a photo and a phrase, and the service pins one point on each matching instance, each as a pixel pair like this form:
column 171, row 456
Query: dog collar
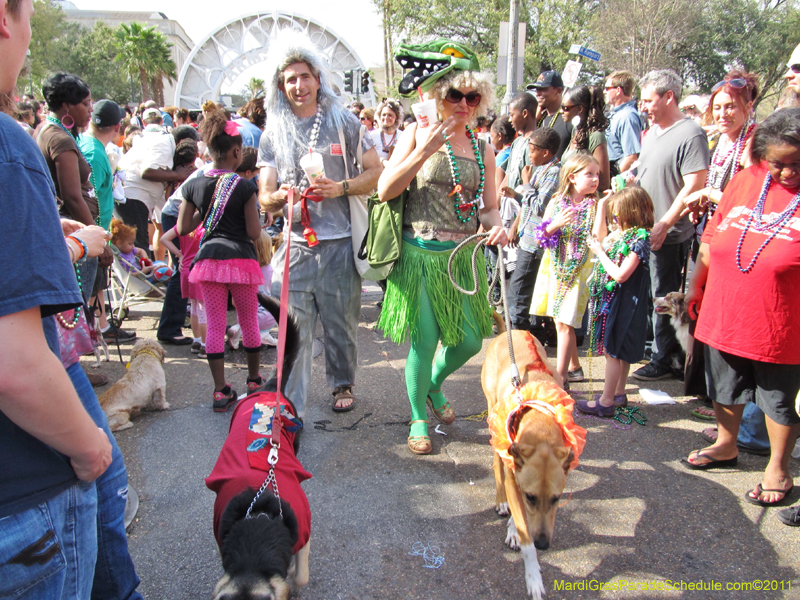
column 544, row 396
column 144, row 351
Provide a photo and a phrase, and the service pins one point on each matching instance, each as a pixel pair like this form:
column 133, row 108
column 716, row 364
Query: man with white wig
column 304, row 112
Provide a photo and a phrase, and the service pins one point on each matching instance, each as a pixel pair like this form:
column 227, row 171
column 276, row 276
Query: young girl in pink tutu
column 227, row 205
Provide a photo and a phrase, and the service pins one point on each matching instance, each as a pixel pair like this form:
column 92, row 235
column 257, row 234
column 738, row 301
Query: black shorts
column 732, row 379
column 100, row 280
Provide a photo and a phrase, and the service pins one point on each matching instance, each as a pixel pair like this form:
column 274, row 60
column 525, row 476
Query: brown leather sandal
column 419, row 444
column 343, row 393
column 445, row 414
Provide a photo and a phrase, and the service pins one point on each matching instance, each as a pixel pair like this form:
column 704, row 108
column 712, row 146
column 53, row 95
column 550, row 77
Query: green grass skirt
column 425, row 263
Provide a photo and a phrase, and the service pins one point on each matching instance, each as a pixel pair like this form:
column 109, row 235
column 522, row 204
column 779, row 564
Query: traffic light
column 348, row 81
column 365, row 83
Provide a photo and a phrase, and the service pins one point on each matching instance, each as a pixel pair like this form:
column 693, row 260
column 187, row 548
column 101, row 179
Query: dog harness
column 544, row 396
column 242, row 463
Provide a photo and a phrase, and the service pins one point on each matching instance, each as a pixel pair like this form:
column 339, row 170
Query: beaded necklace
column 571, row 250
column 92, row 193
column 460, row 204
column 386, row 146
column 76, row 314
column 603, row 287
column 775, row 224
column 222, row 193
column 312, row 143
column 725, row 165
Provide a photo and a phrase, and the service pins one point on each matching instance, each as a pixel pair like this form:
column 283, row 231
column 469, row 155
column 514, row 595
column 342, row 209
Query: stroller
column 130, row 288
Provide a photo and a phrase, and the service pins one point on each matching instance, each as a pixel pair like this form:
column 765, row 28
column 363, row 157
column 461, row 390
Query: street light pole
column 513, row 42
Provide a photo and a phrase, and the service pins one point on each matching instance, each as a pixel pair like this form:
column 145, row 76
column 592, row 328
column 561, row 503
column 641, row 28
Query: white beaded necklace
column 312, row 143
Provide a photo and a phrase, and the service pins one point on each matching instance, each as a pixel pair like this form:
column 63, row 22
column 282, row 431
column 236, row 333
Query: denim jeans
column 753, row 429
column 666, row 264
column 324, row 282
column 173, row 313
column 114, row 575
column 520, row 289
column 88, row 270
column 49, row 551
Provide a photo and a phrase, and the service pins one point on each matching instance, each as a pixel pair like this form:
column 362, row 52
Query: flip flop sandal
column 790, row 516
column 707, row 436
column 711, row 464
column 343, row 393
column 753, row 496
column 698, row 414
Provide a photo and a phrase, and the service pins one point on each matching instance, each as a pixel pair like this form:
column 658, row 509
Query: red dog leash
column 277, row 421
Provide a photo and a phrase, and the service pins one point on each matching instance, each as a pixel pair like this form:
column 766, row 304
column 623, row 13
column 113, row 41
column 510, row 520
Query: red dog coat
column 242, row 463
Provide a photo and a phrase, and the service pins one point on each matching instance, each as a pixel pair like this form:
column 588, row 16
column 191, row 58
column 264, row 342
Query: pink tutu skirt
column 242, row 271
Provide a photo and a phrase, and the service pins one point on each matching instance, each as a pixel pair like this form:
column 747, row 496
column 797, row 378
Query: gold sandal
column 419, row 444
column 445, row 415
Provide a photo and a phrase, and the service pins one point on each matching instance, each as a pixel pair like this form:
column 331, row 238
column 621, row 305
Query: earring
column 71, row 121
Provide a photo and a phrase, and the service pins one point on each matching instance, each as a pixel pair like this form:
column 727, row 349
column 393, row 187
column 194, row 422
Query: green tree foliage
column 143, row 52
column 755, row 35
column 92, row 58
column 552, row 25
column 255, row 87
column 700, row 39
column 52, row 43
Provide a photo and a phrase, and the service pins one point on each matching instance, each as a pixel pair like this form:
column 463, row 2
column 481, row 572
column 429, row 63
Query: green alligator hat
column 430, row 61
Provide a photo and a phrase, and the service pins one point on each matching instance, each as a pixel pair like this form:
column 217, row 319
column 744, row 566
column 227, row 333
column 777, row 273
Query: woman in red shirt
column 747, row 278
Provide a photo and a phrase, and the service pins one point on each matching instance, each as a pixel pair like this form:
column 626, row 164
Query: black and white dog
column 265, row 555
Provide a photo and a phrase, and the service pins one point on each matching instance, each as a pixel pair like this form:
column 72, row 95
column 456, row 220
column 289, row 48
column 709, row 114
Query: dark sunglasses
column 734, row 83
column 454, row 97
column 794, row 68
column 565, row 108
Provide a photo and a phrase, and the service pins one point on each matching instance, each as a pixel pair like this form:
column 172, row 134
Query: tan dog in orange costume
column 536, row 443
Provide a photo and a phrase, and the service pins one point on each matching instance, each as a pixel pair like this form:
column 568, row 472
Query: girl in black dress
column 620, row 292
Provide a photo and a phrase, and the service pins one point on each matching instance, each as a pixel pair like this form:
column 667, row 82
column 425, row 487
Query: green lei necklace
column 602, row 287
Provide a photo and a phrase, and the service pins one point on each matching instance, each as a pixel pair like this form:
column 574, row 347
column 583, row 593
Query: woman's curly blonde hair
column 480, row 82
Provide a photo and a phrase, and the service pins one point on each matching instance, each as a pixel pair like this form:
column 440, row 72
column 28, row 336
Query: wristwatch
column 345, row 187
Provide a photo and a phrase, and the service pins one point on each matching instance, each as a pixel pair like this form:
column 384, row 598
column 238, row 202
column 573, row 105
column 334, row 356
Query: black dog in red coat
column 264, row 555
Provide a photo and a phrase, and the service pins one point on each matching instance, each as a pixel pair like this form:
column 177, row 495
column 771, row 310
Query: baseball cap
column 106, row 113
column 547, row 79
column 151, row 112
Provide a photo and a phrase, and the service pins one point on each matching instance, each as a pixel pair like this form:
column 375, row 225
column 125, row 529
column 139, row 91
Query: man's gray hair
column 663, row 80
column 288, row 140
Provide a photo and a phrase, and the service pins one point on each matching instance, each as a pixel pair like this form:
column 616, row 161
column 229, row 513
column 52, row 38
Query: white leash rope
column 503, row 303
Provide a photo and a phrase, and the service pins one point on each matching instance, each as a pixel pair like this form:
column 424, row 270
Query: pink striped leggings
column 215, row 299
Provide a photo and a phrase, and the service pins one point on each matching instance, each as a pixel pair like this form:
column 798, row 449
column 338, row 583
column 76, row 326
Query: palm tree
column 255, row 86
column 144, row 53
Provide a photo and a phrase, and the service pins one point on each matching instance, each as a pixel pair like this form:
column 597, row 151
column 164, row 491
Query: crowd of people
column 656, row 195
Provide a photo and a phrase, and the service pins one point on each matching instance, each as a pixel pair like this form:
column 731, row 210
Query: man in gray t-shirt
column 674, row 163
column 304, row 112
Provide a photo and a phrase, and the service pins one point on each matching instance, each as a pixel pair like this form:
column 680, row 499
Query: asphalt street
column 390, row 525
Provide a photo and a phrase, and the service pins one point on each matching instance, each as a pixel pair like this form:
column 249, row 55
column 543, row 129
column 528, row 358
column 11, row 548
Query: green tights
column 426, row 369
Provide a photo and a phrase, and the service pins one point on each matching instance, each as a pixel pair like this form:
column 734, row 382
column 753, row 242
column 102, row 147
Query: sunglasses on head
column 454, row 97
column 794, row 68
column 734, row 83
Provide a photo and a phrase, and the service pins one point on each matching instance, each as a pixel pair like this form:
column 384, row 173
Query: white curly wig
column 288, row 47
column 480, row 82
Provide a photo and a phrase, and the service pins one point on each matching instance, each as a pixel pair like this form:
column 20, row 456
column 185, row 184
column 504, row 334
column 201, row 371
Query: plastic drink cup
column 425, row 113
column 313, row 166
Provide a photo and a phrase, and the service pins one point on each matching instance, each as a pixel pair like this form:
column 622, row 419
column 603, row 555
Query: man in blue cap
column 549, row 89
